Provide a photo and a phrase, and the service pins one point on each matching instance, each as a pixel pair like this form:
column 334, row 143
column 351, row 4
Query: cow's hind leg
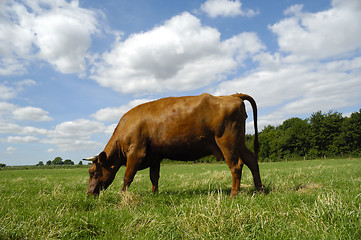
column 232, row 159
column 251, row 161
column 154, row 175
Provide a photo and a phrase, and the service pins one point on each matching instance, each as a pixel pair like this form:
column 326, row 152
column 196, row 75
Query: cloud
column 6, row 109
column 10, row 150
column 75, row 135
column 335, row 32
column 6, row 92
column 58, row 32
column 6, row 128
column 226, row 8
column 179, row 55
column 293, row 89
column 317, row 67
column 33, row 131
column 31, row 113
column 11, row 111
column 63, row 36
column 18, row 139
column 81, row 128
column 9, row 92
column 67, row 136
column 115, row 113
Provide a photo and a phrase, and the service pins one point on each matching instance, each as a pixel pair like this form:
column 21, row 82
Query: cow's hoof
column 261, row 190
column 233, row 194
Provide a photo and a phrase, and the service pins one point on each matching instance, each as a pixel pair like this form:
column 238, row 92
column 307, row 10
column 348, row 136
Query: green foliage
column 193, row 203
column 57, row 161
column 68, row 162
column 322, row 135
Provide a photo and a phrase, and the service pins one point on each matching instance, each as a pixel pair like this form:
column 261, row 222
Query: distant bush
column 323, row 135
column 68, row 162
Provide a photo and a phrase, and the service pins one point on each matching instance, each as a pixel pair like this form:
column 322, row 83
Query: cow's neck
column 114, row 154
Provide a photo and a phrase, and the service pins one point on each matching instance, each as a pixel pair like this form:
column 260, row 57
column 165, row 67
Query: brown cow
column 178, row 128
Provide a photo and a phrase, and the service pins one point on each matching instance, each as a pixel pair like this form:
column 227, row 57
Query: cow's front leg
column 154, row 175
column 130, row 172
column 133, row 163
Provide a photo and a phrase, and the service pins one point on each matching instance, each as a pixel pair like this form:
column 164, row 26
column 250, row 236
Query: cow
column 178, row 128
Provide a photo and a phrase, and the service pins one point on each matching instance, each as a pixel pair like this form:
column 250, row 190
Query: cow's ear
column 103, row 157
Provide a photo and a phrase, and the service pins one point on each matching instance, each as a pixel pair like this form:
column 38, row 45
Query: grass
column 319, row 199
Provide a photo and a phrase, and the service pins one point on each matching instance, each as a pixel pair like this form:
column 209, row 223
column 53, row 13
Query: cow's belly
column 186, row 150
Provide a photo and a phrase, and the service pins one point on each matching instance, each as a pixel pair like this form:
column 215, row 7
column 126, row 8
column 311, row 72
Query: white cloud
column 6, row 92
column 81, row 128
column 31, row 113
column 6, row 128
column 11, row 111
column 33, row 131
column 24, row 83
column 226, row 8
column 179, row 55
column 55, row 31
column 292, row 89
column 18, row 139
column 6, row 109
column 75, row 135
column 12, row 128
column 72, row 145
column 335, row 32
column 63, row 37
column 115, row 113
column 317, row 67
column 10, row 150
column 9, row 92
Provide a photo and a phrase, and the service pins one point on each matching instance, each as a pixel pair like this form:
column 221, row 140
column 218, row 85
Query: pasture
column 318, row 199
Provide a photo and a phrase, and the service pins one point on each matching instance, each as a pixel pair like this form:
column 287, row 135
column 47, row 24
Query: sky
column 70, row 69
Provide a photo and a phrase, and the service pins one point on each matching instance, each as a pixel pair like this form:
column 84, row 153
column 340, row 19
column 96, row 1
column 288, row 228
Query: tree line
column 58, row 161
column 321, row 135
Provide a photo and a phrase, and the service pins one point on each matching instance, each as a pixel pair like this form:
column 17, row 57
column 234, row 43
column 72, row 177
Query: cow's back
column 180, row 126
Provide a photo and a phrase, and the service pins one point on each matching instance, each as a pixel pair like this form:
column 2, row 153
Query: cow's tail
column 254, row 107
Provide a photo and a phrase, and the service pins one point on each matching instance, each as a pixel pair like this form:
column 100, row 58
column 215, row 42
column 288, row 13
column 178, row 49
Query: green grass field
column 318, row 199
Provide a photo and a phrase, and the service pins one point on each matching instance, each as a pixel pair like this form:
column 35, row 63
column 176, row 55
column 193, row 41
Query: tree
column 40, row 163
column 268, row 141
column 325, row 129
column 350, row 137
column 57, row 161
column 80, row 163
column 295, row 137
column 49, row 163
column 68, row 162
column 2, row 165
column 321, row 135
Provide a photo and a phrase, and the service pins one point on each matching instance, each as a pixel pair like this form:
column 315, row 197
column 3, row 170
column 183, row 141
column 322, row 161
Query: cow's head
column 101, row 173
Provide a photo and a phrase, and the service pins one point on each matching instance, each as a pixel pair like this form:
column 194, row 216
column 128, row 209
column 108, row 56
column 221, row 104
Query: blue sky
column 70, row 69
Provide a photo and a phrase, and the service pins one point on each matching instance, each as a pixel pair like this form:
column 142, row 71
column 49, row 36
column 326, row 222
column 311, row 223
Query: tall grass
column 305, row 200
